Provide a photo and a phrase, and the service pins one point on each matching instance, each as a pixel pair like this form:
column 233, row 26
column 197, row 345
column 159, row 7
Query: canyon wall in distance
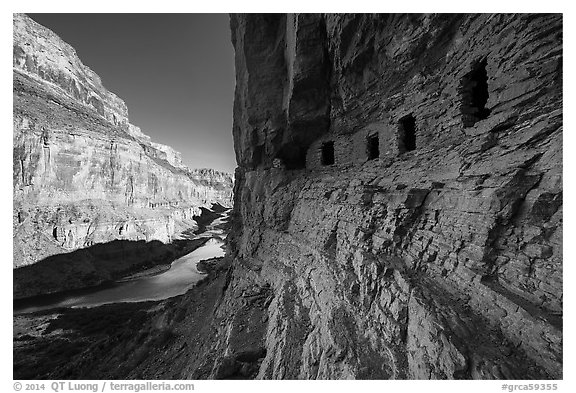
column 83, row 174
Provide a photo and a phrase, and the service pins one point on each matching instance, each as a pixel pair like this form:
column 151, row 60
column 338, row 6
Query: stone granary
column 414, row 226
column 397, row 205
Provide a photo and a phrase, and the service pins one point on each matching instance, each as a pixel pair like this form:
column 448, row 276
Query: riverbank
column 161, row 268
column 105, row 263
column 111, row 341
column 153, row 284
column 143, row 282
column 99, row 266
column 118, row 341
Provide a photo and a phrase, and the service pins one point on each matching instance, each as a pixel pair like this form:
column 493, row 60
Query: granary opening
column 372, row 147
column 292, row 156
column 327, row 153
column 474, row 94
column 406, row 133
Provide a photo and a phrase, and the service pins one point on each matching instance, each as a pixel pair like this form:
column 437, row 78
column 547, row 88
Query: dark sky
column 174, row 71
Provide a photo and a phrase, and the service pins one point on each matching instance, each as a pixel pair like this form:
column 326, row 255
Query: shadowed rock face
column 444, row 261
column 82, row 173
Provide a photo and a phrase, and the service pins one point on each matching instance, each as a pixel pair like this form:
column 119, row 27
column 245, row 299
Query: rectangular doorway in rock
column 406, row 133
column 327, row 153
column 474, row 94
column 372, row 147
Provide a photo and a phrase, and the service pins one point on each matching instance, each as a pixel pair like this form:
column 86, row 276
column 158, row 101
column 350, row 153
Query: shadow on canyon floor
column 98, row 264
column 123, row 340
column 208, row 216
column 120, row 340
column 106, row 262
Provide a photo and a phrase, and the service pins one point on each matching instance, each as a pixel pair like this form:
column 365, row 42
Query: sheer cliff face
column 82, row 173
column 398, row 196
column 40, row 52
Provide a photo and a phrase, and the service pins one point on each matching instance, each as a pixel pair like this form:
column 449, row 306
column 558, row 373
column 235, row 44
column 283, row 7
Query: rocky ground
column 121, row 341
column 440, row 258
column 170, row 339
column 148, row 340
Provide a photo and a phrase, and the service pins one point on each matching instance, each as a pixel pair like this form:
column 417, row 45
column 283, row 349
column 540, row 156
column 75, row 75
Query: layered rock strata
column 82, row 173
column 397, row 207
column 398, row 198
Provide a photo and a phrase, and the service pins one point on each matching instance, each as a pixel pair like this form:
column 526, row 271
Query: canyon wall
column 82, row 173
column 398, row 200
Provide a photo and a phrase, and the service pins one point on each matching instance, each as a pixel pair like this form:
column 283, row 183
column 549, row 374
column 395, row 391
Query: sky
column 174, row 71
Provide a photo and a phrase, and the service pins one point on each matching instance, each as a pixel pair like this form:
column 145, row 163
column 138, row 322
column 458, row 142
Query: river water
column 181, row 276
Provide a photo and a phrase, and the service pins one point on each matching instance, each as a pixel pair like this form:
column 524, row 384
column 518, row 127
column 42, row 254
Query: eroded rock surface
column 428, row 247
column 82, row 173
column 439, row 258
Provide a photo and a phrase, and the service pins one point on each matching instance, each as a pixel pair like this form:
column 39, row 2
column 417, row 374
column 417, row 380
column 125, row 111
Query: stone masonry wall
column 440, row 262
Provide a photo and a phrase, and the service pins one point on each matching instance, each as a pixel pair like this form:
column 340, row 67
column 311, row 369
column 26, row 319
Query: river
column 175, row 281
